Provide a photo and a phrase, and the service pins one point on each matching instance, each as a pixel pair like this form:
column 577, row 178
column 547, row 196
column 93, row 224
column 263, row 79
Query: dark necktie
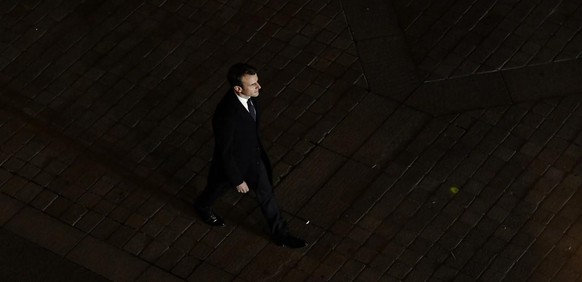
column 252, row 110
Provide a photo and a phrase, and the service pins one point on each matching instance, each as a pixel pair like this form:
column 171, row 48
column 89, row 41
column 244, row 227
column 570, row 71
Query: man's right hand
column 242, row 188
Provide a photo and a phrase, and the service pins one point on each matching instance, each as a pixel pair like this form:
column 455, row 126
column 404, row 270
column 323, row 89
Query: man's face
column 250, row 86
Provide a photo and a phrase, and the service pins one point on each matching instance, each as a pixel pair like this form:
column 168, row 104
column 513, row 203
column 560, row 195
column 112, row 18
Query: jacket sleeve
column 224, row 130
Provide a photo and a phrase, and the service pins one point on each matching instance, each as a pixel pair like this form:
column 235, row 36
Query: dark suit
column 240, row 156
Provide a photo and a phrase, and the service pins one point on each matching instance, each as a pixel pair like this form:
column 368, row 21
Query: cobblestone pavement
column 411, row 140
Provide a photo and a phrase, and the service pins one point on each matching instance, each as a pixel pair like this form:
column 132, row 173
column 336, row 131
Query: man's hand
column 242, row 188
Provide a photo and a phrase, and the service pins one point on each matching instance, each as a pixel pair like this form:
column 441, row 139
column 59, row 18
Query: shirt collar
column 243, row 101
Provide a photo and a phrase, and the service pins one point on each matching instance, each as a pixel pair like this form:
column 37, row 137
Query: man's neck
column 242, row 96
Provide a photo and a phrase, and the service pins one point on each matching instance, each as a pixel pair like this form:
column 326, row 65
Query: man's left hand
column 242, row 188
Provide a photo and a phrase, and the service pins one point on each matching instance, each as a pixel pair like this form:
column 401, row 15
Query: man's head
column 244, row 80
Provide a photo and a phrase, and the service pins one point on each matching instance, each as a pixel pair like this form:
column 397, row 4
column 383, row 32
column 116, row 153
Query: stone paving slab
column 384, row 144
column 461, row 94
column 388, row 72
column 9, row 208
column 106, row 260
column 533, row 83
column 326, row 206
column 301, row 184
column 366, row 117
column 365, row 14
column 232, row 256
column 45, row 231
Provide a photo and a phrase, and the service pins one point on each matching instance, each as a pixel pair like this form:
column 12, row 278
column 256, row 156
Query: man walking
column 239, row 159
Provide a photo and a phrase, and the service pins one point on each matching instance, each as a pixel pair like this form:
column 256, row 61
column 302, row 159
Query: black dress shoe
column 209, row 217
column 290, row 241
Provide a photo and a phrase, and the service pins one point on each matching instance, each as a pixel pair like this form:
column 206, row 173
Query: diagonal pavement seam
column 504, row 87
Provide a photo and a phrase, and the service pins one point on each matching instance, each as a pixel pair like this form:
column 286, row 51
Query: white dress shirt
column 243, row 101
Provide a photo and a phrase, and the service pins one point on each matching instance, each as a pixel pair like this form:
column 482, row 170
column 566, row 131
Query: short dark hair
column 237, row 71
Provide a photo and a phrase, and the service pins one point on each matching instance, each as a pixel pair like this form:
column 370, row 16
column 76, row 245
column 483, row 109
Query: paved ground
column 23, row 260
column 411, row 140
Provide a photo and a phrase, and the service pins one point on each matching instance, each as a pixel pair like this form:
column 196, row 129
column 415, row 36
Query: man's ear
column 237, row 89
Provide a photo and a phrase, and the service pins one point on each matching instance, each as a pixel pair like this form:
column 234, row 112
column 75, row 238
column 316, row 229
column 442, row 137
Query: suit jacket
column 238, row 150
